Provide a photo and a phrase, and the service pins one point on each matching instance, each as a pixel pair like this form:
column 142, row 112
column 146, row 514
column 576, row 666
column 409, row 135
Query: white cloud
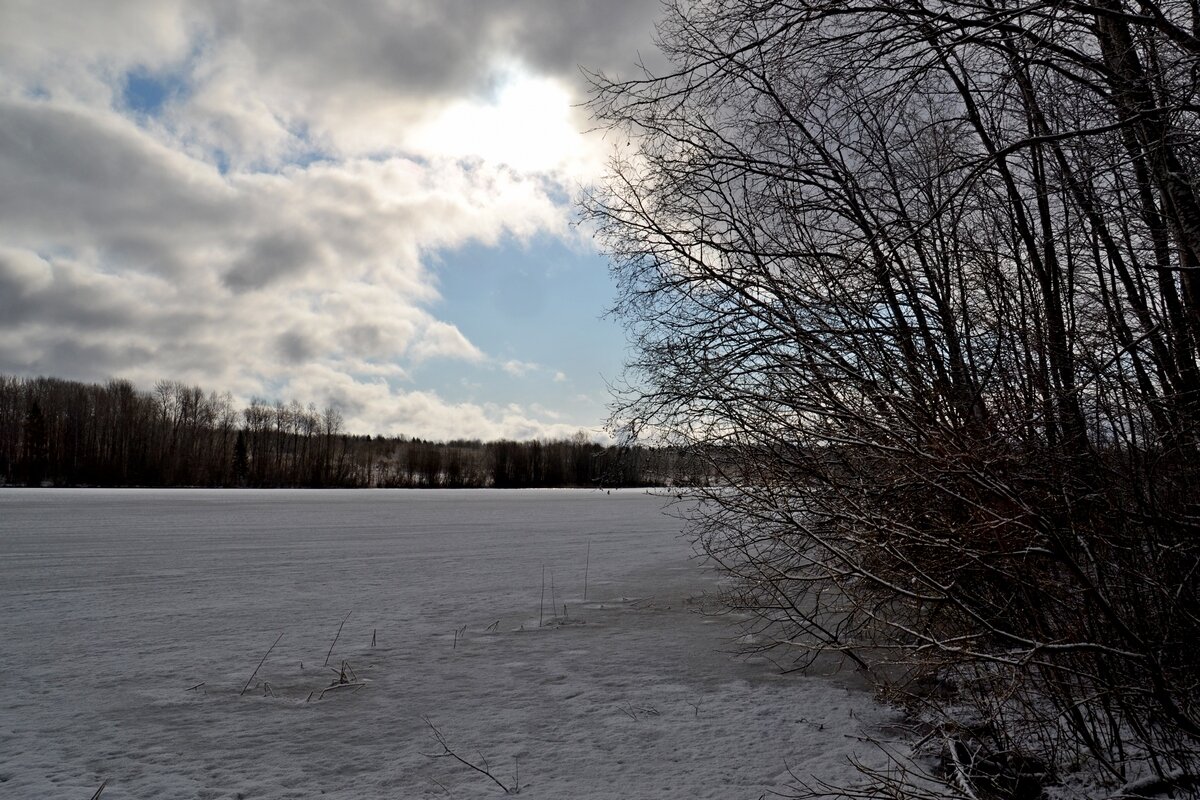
column 434, row 417
column 517, row 368
column 543, row 411
column 22, row 274
column 443, row 340
column 560, row 377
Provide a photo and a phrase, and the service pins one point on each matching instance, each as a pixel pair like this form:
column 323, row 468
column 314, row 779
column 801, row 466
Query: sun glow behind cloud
column 527, row 124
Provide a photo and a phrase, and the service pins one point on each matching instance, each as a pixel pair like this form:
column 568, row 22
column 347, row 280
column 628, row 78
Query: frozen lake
column 114, row 602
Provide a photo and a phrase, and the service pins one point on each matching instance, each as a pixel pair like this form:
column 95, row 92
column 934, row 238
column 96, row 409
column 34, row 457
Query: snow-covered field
column 114, row 604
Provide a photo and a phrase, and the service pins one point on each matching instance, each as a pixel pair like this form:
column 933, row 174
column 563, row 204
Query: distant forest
column 65, row 433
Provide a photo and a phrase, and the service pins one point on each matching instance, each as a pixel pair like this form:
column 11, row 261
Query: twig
column 587, row 560
column 542, row 602
column 260, row 663
column 354, row 686
column 341, row 674
column 446, row 751
column 335, row 638
column 373, row 637
column 194, row 688
column 492, row 628
column 101, row 789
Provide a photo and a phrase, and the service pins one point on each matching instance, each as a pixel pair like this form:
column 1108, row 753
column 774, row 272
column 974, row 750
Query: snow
column 114, row 602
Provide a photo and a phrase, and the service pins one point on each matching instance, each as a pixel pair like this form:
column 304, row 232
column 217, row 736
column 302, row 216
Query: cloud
column 441, row 339
column 271, row 80
column 162, row 265
column 79, row 177
column 22, row 274
column 378, row 407
column 272, row 256
column 517, row 368
column 358, row 78
column 249, row 196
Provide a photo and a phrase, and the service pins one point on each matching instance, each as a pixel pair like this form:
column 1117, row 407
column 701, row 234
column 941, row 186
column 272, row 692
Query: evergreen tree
column 241, row 459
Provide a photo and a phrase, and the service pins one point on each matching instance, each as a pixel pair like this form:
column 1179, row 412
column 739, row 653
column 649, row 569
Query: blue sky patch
column 146, row 93
column 541, row 303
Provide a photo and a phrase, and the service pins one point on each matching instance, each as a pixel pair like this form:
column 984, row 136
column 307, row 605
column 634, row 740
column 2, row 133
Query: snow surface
column 114, row 602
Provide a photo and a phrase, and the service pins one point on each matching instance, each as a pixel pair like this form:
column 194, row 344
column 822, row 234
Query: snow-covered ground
column 114, row 604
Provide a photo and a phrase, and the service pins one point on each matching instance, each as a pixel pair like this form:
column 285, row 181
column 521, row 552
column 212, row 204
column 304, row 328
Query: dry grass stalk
column 335, row 638
column 260, row 663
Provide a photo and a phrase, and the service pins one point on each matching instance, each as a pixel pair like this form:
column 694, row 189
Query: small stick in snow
column 542, row 602
column 260, row 663
column 335, row 638
column 492, row 628
column 373, row 637
column 101, row 789
column 353, row 686
column 194, row 688
column 341, row 674
column 587, row 560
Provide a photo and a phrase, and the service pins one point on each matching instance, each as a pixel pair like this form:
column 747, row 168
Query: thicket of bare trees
column 921, row 278
column 65, row 433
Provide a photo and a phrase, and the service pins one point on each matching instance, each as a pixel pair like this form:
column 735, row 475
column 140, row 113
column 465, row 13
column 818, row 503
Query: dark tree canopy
column 921, row 280
column 64, row 433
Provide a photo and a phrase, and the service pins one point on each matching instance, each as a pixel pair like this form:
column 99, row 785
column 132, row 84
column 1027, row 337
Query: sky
column 364, row 204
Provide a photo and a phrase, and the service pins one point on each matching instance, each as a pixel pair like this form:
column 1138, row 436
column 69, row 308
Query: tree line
column 66, row 433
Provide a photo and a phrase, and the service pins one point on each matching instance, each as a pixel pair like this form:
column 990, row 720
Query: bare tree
column 919, row 281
